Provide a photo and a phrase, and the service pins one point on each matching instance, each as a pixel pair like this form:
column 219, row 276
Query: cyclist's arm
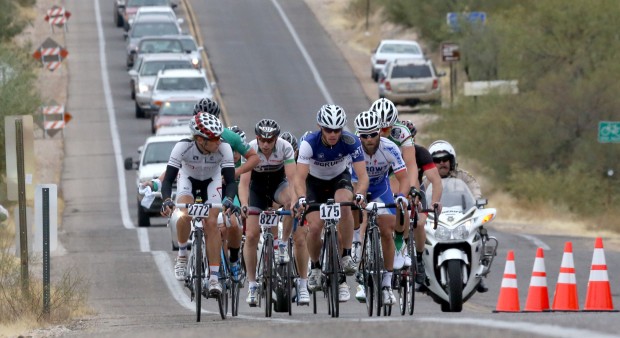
column 228, row 173
column 244, row 189
column 362, row 177
column 412, row 166
column 251, row 160
column 433, row 177
column 166, row 184
column 290, row 171
column 403, row 181
column 302, row 171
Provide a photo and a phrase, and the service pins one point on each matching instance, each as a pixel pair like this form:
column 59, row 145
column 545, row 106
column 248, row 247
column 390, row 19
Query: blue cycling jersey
column 328, row 162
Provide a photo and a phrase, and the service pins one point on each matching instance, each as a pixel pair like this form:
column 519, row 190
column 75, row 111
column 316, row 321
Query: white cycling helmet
column 206, row 125
column 387, row 112
column 442, row 148
column 331, row 116
column 367, row 121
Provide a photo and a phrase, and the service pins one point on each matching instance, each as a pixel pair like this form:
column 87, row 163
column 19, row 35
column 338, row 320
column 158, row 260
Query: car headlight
column 459, row 233
column 195, row 61
column 143, row 88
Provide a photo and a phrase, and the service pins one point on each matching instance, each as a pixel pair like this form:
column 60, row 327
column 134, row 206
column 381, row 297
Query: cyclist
column 259, row 189
column 323, row 173
column 400, row 135
column 444, row 157
column 290, row 138
column 201, row 163
column 381, row 155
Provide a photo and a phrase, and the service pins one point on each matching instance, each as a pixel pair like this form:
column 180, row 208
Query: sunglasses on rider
column 441, row 159
column 369, row 135
column 332, row 131
column 267, row 140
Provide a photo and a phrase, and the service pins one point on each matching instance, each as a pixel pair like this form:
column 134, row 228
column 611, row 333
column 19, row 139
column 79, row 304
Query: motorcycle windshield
column 455, row 194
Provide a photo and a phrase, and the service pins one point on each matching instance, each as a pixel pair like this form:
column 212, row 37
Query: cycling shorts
column 382, row 194
column 319, row 191
column 210, row 190
column 262, row 196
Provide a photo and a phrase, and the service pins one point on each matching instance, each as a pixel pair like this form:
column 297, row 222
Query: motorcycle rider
column 444, row 157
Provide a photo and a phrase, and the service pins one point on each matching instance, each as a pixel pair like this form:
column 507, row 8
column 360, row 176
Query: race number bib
column 198, row 210
column 330, row 211
column 266, row 220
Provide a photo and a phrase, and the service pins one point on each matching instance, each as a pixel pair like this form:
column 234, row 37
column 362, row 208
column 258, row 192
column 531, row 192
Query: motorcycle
column 459, row 252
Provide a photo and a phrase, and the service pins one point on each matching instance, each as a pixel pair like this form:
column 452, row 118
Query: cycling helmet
column 207, row 105
column 367, row 121
column 387, row 112
column 440, row 148
column 287, row 136
column 411, row 126
column 303, row 137
column 267, row 128
column 206, row 125
column 239, row 132
column 331, row 116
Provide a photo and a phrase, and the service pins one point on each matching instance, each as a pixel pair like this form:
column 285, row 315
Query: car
column 410, row 82
column 174, row 112
column 192, row 48
column 156, row 25
column 153, row 159
column 145, row 11
column 155, row 45
column 180, row 83
column 173, row 129
column 388, row 50
column 145, row 72
column 124, row 10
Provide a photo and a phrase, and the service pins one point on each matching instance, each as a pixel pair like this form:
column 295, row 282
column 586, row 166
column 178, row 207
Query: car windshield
column 158, row 152
column 137, row 3
column 160, row 46
column 177, row 108
column 141, row 29
column 188, row 44
column 411, row 71
column 182, row 83
column 392, row 48
column 455, row 194
column 150, row 68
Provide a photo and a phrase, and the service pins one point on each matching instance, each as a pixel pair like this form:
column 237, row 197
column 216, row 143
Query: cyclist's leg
column 282, row 197
column 213, row 237
column 234, row 235
column 185, row 194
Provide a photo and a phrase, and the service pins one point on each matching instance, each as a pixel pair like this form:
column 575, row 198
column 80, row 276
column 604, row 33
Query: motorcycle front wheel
column 455, row 286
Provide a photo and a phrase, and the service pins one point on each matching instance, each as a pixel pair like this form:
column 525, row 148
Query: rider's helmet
column 267, row 128
column 290, row 138
column 206, row 125
column 207, row 105
column 411, row 126
column 331, row 116
column 441, row 148
column 303, row 137
column 387, row 112
column 239, row 132
column 367, row 121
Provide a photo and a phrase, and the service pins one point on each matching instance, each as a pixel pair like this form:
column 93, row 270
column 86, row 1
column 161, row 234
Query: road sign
column 450, row 52
column 453, row 19
column 609, row 131
column 51, row 54
column 57, row 16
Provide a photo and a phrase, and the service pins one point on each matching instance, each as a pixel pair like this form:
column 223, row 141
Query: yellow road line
column 193, row 27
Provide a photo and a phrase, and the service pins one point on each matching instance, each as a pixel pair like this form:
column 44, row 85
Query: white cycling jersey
column 401, row 135
column 192, row 162
column 378, row 165
column 281, row 154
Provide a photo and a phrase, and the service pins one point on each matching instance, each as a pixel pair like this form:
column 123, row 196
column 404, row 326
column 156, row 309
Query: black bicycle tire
column 403, row 288
column 197, row 278
column 268, row 274
column 412, row 273
column 234, row 299
column 288, row 283
column 222, row 300
column 366, row 270
column 335, row 274
column 376, row 272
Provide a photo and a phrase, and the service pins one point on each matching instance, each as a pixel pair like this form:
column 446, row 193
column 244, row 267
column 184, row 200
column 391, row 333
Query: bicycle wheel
column 268, row 274
column 412, row 271
column 234, row 299
column 367, row 266
column 198, row 271
column 403, row 289
column 334, row 273
column 376, row 272
column 222, row 300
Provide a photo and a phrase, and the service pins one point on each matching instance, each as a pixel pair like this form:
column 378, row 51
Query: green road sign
column 609, row 131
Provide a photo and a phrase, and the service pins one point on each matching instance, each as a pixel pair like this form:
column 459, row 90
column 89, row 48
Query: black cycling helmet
column 287, row 136
column 208, row 106
column 267, row 128
column 411, row 126
column 239, row 132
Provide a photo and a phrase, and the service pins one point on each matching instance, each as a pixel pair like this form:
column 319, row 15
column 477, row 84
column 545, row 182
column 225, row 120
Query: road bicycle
column 273, row 278
column 330, row 213
column 197, row 267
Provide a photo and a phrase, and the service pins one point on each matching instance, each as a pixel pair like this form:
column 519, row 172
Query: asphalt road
column 271, row 59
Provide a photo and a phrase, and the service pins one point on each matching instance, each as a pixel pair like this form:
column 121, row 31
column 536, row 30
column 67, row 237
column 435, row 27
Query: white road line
column 537, row 241
column 527, row 327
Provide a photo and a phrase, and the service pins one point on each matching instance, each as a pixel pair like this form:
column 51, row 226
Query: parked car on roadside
column 388, row 50
column 153, row 158
column 145, row 72
column 410, row 82
column 180, row 83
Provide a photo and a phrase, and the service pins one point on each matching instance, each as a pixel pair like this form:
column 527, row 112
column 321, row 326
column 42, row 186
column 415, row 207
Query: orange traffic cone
column 508, row 300
column 565, row 298
column 599, row 290
column 538, row 295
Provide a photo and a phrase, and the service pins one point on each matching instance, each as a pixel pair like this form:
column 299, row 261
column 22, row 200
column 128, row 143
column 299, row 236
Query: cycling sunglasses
column 369, row 135
column 332, row 131
column 266, row 140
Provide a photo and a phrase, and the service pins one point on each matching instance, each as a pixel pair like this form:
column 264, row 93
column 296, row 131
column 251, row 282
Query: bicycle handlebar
column 270, row 212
